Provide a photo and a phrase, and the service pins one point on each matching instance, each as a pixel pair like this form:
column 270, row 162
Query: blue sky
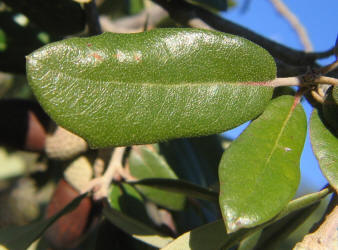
column 320, row 19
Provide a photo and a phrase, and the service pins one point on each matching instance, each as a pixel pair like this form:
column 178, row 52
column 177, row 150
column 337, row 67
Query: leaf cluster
column 148, row 108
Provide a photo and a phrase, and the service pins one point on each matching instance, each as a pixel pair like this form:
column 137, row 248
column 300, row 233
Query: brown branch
column 184, row 12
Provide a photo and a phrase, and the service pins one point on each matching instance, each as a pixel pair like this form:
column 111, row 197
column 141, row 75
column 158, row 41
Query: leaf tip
column 237, row 224
column 235, row 221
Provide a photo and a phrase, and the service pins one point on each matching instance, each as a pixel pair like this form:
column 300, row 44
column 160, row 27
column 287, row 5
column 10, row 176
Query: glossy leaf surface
column 125, row 89
column 22, row 237
column 259, row 172
column 325, row 148
column 145, row 162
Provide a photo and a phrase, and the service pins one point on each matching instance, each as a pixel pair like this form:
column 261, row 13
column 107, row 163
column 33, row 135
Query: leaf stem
column 286, row 81
column 307, row 79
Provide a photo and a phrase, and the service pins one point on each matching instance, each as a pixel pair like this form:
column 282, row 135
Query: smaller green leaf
column 179, row 186
column 135, row 228
column 127, row 200
column 325, row 148
column 259, row 172
column 145, row 162
column 22, row 237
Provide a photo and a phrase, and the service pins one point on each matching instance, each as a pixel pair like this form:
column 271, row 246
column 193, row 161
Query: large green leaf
column 325, row 147
column 145, row 162
column 259, row 172
column 22, row 237
column 124, row 89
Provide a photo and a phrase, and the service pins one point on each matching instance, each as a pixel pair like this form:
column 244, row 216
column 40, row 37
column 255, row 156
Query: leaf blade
column 114, row 90
column 271, row 147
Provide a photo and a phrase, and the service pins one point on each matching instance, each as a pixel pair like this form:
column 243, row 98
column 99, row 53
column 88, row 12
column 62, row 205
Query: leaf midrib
column 266, row 83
